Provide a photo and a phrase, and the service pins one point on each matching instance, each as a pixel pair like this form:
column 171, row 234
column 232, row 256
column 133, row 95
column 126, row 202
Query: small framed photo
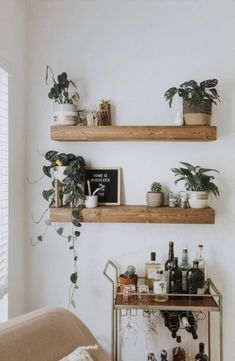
column 109, row 179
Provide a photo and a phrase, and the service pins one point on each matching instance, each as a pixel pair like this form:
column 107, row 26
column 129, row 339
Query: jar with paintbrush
column 91, row 200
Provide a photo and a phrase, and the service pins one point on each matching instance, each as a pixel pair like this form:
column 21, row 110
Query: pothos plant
column 72, row 196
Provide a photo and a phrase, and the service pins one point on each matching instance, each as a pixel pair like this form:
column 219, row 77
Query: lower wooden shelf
column 137, row 214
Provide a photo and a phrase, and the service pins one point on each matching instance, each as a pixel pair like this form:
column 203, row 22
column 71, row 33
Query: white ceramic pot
column 154, row 199
column 198, row 199
column 91, row 201
column 58, row 172
column 65, row 114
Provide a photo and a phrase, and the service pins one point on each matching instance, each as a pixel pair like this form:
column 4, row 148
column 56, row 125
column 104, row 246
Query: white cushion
column 80, row 354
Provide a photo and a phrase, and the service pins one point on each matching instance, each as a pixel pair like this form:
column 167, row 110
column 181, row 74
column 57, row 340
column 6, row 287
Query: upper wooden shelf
column 184, row 303
column 133, row 133
column 137, row 214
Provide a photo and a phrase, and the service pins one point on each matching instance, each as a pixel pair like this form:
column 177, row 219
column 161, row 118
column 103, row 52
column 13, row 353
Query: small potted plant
column 198, row 184
column 128, row 278
column 197, row 100
column 91, row 200
column 65, row 96
column 155, row 197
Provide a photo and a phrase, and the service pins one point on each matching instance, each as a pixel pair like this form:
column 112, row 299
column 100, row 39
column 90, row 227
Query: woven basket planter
column 197, row 114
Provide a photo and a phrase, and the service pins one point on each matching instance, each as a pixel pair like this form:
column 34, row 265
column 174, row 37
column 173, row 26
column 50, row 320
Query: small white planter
column 91, row 201
column 65, row 114
column 58, row 172
column 198, row 199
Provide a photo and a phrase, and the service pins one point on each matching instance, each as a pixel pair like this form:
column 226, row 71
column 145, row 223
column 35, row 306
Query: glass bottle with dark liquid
column 169, row 264
column 178, row 351
column 175, row 281
column 195, row 280
column 201, row 356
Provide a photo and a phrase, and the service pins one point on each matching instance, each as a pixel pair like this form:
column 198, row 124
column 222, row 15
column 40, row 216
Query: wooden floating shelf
column 133, row 133
column 179, row 303
column 137, row 214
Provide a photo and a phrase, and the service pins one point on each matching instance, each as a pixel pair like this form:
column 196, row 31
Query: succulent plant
column 130, row 272
column 156, row 187
column 194, row 92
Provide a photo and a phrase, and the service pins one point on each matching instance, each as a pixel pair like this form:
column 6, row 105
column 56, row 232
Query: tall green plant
column 195, row 178
column 72, row 194
column 63, row 91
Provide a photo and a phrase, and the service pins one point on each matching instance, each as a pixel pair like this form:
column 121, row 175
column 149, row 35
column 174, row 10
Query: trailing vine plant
column 71, row 195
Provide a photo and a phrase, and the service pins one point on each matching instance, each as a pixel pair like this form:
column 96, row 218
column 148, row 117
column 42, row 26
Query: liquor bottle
column 189, row 322
column 200, row 259
column 178, row 351
column 195, row 280
column 201, row 356
column 151, row 357
column 163, row 355
column 184, row 266
column 175, row 278
column 151, row 270
column 171, row 321
column 169, row 264
column 159, row 287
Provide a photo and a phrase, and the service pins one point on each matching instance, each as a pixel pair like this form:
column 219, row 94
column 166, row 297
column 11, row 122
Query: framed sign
column 107, row 177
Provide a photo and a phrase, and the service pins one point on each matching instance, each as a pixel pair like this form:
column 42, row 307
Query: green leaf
column 48, row 222
column 69, row 238
column 40, row 238
column 74, row 277
column 76, row 223
column 60, row 230
column 77, row 233
column 71, row 247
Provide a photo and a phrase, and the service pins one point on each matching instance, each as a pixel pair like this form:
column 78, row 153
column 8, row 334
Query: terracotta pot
column 154, row 199
column 197, row 114
column 127, row 281
column 198, row 200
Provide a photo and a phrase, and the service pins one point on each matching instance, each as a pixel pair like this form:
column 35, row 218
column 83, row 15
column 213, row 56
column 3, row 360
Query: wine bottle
column 175, row 275
column 163, row 355
column 184, row 266
column 171, row 321
column 151, row 269
column 169, row 264
column 200, row 259
column 195, row 280
column 178, row 351
column 151, row 357
column 201, row 356
column 189, row 322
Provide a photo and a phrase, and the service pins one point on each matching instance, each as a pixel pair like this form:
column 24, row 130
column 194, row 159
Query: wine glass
column 129, row 332
column 151, row 333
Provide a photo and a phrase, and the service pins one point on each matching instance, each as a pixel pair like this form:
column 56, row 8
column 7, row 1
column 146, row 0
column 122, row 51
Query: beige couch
column 48, row 334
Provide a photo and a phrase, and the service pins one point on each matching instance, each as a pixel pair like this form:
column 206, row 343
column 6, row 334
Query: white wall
column 131, row 52
column 12, row 59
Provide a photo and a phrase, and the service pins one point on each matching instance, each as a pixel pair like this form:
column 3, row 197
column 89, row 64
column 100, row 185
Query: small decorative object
column 92, row 199
column 105, row 112
column 197, row 100
column 179, row 120
column 155, row 197
column 128, row 278
column 65, row 96
column 93, row 119
column 197, row 184
column 173, row 199
column 108, row 182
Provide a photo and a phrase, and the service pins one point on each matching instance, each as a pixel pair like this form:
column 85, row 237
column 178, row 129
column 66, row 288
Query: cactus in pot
column 155, row 197
column 129, row 277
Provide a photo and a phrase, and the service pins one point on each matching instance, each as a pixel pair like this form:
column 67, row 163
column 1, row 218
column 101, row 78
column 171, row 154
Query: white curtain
column 3, row 182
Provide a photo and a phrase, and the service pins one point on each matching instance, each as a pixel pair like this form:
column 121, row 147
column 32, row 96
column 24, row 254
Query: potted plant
column 197, row 100
column 72, row 195
column 65, row 96
column 155, row 197
column 198, row 184
column 128, row 278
